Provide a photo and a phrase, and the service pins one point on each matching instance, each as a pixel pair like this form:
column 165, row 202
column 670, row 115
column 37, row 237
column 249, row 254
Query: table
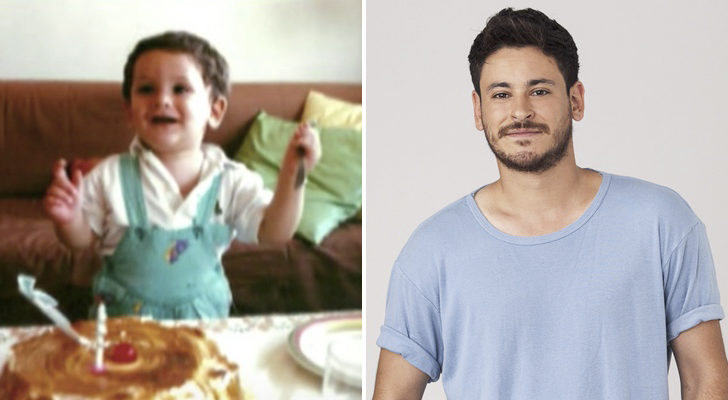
column 258, row 344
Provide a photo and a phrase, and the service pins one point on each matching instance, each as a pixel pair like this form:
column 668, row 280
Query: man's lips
column 523, row 132
column 523, row 129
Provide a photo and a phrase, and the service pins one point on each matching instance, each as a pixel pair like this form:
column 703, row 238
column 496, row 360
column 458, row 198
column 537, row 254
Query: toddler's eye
column 181, row 89
column 145, row 89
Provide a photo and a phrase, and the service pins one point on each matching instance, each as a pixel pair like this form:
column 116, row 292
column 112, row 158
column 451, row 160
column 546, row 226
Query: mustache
column 523, row 125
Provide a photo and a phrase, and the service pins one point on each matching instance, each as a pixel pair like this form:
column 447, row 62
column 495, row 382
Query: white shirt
column 242, row 196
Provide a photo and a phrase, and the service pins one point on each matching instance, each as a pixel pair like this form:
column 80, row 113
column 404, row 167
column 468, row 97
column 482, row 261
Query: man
column 554, row 282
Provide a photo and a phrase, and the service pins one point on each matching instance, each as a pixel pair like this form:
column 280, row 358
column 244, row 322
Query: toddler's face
column 170, row 105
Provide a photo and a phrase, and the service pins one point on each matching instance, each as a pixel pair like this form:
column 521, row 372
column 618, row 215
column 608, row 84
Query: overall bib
column 166, row 274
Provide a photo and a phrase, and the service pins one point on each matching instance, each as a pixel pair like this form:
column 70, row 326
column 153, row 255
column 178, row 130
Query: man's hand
column 62, row 201
column 397, row 379
column 63, row 204
column 701, row 362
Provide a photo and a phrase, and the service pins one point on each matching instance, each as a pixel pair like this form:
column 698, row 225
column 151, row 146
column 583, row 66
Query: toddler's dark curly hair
column 212, row 64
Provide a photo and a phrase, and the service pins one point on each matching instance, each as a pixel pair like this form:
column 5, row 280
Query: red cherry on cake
column 123, row 352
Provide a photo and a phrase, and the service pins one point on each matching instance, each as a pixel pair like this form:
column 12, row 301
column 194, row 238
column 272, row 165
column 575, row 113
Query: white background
column 262, row 40
column 656, row 78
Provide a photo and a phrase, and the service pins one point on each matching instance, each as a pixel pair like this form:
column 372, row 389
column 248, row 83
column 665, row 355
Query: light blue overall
column 166, row 274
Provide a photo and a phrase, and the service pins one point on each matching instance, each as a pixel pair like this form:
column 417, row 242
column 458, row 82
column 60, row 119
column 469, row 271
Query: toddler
column 163, row 214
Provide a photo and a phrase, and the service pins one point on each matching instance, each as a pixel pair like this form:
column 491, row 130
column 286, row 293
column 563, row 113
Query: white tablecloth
column 258, row 344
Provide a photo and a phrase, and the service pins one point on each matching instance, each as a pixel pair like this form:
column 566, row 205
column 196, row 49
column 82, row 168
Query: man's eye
column 500, row 96
column 145, row 89
column 540, row 92
column 181, row 89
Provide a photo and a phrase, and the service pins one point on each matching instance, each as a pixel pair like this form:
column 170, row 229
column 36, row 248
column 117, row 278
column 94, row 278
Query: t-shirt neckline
column 533, row 240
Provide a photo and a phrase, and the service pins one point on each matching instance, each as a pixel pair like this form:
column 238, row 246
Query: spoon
column 301, row 152
column 301, row 170
column 48, row 305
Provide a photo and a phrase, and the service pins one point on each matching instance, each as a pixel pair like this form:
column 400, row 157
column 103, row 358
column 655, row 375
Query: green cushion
column 333, row 188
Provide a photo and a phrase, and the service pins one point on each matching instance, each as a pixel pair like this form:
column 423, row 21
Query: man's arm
column 397, row 379
column 701, row 362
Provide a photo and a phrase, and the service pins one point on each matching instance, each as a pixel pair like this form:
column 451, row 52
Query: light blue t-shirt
column 587, row 312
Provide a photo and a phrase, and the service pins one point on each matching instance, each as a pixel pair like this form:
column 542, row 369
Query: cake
column 144, row 360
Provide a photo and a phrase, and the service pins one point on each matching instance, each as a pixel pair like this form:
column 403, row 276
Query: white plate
column 307, row 343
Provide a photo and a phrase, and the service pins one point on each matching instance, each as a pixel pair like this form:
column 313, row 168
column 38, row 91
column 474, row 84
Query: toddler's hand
column 304, row 144
column 62, row 201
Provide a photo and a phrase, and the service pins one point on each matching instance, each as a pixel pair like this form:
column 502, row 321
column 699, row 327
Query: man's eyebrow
column 496, row 85
column 532, row 82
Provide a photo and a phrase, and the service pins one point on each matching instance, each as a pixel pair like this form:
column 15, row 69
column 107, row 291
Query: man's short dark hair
column 522, row 28
column 212, row 64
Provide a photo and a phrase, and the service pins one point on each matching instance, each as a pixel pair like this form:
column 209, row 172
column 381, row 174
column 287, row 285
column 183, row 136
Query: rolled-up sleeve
column 412, row 325
column 691, row 287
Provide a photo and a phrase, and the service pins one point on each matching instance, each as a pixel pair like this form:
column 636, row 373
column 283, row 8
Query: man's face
column 525, row 109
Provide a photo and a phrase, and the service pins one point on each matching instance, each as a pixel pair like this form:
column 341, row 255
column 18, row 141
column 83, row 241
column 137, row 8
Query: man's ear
column 219, row 106
column 576, row 100
column 477, row 111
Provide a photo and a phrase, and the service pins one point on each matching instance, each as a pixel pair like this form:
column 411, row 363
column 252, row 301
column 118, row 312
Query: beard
column 528, row 161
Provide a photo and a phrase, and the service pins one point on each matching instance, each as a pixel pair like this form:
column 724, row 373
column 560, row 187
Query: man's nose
column 521, row 108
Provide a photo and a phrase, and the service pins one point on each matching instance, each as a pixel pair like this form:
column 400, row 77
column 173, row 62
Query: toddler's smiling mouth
column 163, row 119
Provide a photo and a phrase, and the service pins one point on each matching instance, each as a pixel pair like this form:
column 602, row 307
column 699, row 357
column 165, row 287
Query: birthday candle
column 100, row 333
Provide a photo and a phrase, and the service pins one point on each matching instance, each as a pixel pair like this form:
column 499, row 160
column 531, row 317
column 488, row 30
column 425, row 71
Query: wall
column 656, row 84
column 263, row 40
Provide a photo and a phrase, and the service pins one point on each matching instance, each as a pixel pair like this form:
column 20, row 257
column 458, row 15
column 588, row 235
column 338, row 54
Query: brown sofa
column 41, row 121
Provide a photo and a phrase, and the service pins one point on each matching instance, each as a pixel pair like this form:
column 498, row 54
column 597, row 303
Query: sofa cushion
column 334, row 186
column 297, row 276
column 331, row 112
column 30, row 246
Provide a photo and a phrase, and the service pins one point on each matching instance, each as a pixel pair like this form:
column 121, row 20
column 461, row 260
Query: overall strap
column 131, row 183
column 207, row 203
